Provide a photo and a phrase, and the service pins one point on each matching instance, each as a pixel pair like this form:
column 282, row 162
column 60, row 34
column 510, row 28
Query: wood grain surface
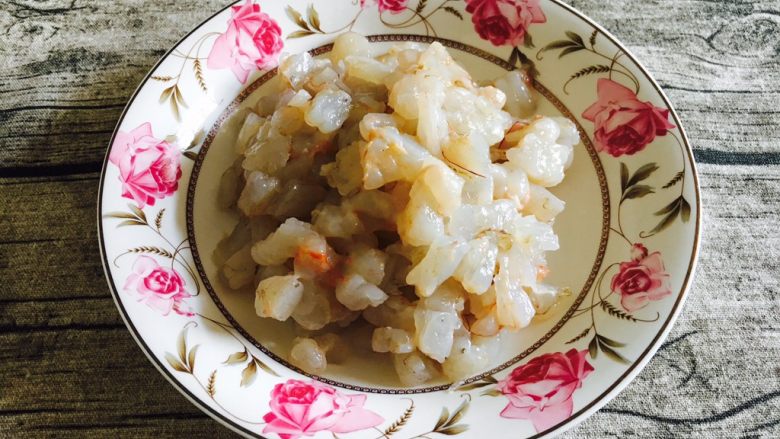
column 70, row 369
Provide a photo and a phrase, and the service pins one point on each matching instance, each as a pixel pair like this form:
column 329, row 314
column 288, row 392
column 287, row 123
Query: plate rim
column 576, row 418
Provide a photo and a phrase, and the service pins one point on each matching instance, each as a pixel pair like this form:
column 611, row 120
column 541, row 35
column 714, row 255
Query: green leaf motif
column 623, row 176
column 612, row 354
column 570, row 50
column 593, row 348
column 590, row 70
column 676, row 179
column 513, row 57
column 421, row 6
column 528, row 41
column 559, row 44
column 669, row 208
column 575, row 37
column 453, row 11
column 610, row 342
column 678, row 207
column 614, row 312
column 643, row 173
column 637, row 191
column 685, row 210
column 580, row 336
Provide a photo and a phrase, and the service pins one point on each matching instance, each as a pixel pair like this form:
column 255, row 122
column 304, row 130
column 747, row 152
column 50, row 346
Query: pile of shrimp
column 390, row 188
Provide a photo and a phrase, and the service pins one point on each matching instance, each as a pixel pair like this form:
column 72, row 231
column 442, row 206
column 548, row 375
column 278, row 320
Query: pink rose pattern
column 541, row 390
column 159, row 287
column 623, row 123
column 641, row 279
column 149, row 168
column 303, row 408
column 393, row 6
column 504, row 22
column 253, row 40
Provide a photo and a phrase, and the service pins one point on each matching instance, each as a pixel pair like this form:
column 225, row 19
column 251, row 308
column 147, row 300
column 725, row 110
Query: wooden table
column 69, row 368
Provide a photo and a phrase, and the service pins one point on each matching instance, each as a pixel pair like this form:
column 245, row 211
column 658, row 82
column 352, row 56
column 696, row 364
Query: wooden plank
column 69, row 68
column 89, row 383
column 48, row 238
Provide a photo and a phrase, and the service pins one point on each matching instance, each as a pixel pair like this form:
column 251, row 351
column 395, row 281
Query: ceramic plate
column 629, row 234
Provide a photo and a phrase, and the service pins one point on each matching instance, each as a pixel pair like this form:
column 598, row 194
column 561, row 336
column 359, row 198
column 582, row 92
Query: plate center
column 581, row 230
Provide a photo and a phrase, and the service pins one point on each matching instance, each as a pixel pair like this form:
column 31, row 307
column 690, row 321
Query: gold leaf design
column 167, row 93
column 448, row 424
column 175, row 99
column 198, row 70
column 314, row 17
column 175, row 363
column 131, row 223
column 296, row 17
column 161, row 78
column 249, row 374
column 211, row 388
column 191, row 357
column 264, row 366
column 237, row 357
column 300, row 34
column 400, row 422
column 138, row 212
column 158, row 218
column 484, row 382
column 151, row 250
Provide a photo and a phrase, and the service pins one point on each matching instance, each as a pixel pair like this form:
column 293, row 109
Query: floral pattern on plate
column 154, row 267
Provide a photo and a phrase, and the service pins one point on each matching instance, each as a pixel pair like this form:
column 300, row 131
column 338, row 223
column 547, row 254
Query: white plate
column 629, row 235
